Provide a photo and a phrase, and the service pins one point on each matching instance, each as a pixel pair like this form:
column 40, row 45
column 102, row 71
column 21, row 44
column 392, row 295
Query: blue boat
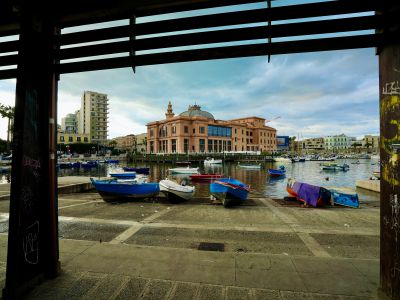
column 145, row 171
column 344, row 199
column 229, row 191
column 124, row 175
column 113, row 189
column 112, row 161
column 277, row 172
column 89, row 164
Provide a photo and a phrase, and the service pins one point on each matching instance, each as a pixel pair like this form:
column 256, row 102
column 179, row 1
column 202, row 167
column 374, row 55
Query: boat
column 114, row 189
column 183, row 163
column 247, row 166
column 282, row 159
column 212, row 161
column 376, row 174
column 112, row 161
column 124, row 175
column 356, row 162
column 205, row 177
column 298, row 159
column 175, row 191
column 138, row 170
column 277, row 172
column 5, row 169
column 186, row 170
column 310, row 195
column 334, row 167
column 345, row 199
column 230, row 191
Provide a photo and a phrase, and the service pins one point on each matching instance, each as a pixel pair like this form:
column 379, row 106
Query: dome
column 195, row 111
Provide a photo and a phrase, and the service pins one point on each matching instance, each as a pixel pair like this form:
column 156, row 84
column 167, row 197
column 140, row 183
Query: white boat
column 175, row 191
column 212, row 161
column 282, row 159
column 254, row 167
column 186, row 170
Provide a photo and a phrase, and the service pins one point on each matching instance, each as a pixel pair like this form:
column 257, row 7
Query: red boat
column 205, row 176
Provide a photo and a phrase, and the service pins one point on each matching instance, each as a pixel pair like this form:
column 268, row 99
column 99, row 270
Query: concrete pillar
column 389, row 84
column 33, row 224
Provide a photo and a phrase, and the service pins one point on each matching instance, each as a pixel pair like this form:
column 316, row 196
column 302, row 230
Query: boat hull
column 184, row 170
column 205, row 177
column 229, row 191
column 276, row 173
column 343, row 199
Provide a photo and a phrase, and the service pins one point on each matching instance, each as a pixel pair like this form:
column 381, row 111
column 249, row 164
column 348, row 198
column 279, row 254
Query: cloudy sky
column 313, row 94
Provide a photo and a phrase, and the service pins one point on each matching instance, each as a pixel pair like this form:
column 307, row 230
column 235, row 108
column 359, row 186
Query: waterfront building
column 313, row 144
column 141, row 143
column 69, row 124
column 197, row 131
column 93, row 116
column 371, row 142
column 338, row 142
column 125, row 143
column 71, row 138
column 282, row 142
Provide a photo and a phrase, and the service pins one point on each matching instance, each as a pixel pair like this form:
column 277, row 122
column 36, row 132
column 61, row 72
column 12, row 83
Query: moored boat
column 249, row 166
column 124, row 175
column 142, row 170
column 113, row 189
column 282, row 159
column 230, row 191
column 212, row 161
column 334, row 167
column 186, row 170
column 277, row 172
column 205, row 177
column 345, row 199
column 175, row 191
column 310, row 195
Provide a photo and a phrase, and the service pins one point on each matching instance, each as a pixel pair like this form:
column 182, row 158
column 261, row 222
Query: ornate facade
column 197, row 131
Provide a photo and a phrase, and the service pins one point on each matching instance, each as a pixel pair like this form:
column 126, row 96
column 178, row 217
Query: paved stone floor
column 149, row 249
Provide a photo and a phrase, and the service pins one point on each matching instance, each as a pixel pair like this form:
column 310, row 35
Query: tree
column 7, row 112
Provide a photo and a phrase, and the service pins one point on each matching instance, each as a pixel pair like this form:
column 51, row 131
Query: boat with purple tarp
column 311, row 195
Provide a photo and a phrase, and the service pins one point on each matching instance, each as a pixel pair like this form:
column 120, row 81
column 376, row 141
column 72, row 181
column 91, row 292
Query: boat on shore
column 310, row 195
column 205, row 177
column 175, row 191
column 277, row 172
column 230, row 191
column 345, row 199
column 186, row 170
column 212, row 161
column 114, row 189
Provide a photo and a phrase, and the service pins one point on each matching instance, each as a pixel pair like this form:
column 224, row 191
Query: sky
column 304, row 95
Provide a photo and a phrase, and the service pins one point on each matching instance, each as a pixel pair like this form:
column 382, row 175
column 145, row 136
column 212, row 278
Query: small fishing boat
column 186, row 170
column 277, row 172
column 310, row 195
column 248, row 166
column 212, row 161
column 205, row 177
column 138, row 170
column 175, row 191
column 124, row 175
column 113, row 189
column 229, row 191
column 282, row 159
column 334, row 167
column 183, row 163
column 345, row 199
column 376, row 174
column 112, row 161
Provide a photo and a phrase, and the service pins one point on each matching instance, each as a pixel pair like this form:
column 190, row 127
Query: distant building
column 337, row 142
column 282, row 142
column 196, row 130
column 69, row 124
column 316, row 144
column 141, row 143
column 71, row 138
column 125, row 143
column 93, row 116
column 371, row 142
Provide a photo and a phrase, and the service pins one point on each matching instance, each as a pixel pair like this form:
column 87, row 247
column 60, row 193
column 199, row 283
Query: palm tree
column 7, row 112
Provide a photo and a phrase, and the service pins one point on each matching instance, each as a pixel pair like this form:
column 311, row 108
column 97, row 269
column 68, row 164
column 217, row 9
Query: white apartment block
column 340, row 141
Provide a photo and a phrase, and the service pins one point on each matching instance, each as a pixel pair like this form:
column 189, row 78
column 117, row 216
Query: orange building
column 197, row 131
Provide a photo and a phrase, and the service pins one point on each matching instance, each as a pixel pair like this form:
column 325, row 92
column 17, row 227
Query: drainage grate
column 211, row 247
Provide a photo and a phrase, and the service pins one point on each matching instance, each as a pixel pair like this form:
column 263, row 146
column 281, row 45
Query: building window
column 173, row 146
column 186, row 145
column 70, row 139
column 62, row 138
column 186, row 129
column 194, row 130
column 174, row 129
column 219, row 131
column 202, row 129
column 210, row 145
column 78, row 139
column 85, row 139
column 151, row 132
column 202, row 145
column 151, row 147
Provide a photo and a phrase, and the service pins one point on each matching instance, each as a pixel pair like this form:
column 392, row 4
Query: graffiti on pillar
column 30, row 243
column 391, row 88
column 390, row 105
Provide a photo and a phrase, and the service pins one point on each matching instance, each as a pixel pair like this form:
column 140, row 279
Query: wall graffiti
column 391, row 88
column 30, row 162
column 30, row 243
